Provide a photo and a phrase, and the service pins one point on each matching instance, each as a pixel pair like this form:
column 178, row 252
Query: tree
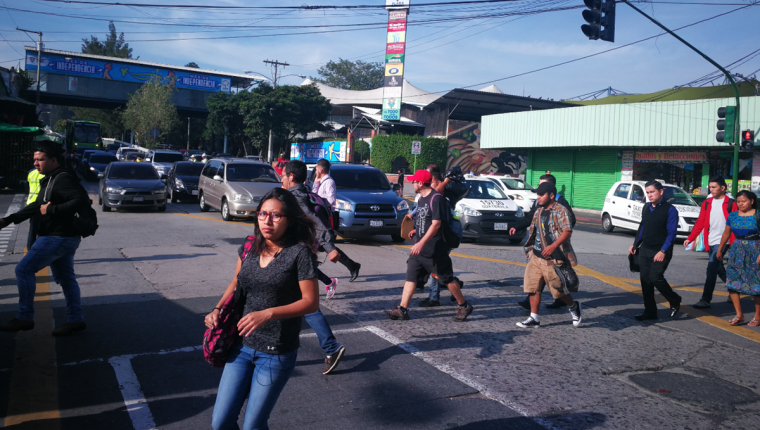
column 225, row 116
column 114, row 46
column 352, row 75
column 151, row 108
column 193, row 64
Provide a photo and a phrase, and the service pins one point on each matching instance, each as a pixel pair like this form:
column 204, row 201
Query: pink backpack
column 218, row 340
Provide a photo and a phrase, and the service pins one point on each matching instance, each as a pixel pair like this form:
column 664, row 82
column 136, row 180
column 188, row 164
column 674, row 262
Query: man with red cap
column 430, row 253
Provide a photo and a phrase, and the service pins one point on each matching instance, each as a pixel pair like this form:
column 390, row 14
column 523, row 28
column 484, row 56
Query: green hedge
column 386, row 148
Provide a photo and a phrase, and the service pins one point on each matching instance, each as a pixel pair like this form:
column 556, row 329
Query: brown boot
column 69, row 328
column 16, row 324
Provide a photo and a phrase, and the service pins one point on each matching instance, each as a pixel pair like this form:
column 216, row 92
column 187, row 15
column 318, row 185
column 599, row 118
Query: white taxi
column 487, row 212
column 625, row 200
column 516, row 189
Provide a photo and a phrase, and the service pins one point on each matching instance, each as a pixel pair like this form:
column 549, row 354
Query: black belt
column 750, row 237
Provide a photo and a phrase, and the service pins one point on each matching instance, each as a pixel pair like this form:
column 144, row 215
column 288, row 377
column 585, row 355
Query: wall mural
column 464, row 151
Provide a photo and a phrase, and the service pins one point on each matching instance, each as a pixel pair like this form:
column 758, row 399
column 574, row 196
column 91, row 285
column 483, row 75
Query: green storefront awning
column 9, row 128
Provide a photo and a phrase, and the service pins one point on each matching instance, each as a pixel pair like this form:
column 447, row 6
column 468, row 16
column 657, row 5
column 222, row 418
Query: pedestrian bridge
column 84, row 80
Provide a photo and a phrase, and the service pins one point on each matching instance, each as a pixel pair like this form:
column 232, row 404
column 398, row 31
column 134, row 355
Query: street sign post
column 416, row 150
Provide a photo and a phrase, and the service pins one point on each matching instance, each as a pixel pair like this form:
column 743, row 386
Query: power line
column 302, row 7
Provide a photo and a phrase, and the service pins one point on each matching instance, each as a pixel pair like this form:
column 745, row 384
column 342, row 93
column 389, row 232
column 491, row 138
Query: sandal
column 738, row 321
column 754, row 323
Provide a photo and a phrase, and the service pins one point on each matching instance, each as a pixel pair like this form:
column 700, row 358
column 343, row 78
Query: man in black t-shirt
column 430, row 253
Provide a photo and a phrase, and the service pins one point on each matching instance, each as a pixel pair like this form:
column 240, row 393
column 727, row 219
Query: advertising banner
column 394, row 69
column 392, row 81
column 392, row 109
column 397, row 15
column 394, row 48
column 394, row 59
column 389, row 92
column 52, row 63
column 397, row 4
column 396, row 37
column 396, row 26
column 697, row 157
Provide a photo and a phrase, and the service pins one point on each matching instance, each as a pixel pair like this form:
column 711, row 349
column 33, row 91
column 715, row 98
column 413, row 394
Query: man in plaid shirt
column 548, row 244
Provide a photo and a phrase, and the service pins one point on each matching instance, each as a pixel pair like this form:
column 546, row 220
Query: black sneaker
column 429, row 303
column 331, row 362
column 463, row 312
column 69, row 328
column 397, row 314
column 16, row 324
column 525, row 303
column 355, row 272
column 556, row 305
column 529, row 323
column 575, row 311
column 701, row 304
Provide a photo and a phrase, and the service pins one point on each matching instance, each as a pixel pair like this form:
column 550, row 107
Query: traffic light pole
column 737, row 132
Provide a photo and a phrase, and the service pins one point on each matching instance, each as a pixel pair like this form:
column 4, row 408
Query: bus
column 82, row 133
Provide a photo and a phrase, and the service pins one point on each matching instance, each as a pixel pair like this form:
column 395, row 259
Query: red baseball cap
column 421, row 176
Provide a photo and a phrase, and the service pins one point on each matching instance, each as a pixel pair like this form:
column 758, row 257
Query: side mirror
column 147, row 160
column 396, row 187
column 218, row 178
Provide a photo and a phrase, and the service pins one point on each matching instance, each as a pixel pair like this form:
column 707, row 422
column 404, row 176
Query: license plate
column 500, row 226
column 194, row 192
column 138, row 199
column 376, row 223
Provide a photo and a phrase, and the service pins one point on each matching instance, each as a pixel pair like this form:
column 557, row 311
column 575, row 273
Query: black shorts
column 418, row 266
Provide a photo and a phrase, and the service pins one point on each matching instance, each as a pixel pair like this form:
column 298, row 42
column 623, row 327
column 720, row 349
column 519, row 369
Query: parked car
column 84, row 165
column 182, row 180
column 254, row 158
column 132, row 185
column 366, row 201
column 518, row 190
column 162, row 160
column 190, row 152
column 135, row 157
column 486, row 211
column 98, row 164
column 625, row 200
column 122, row 152
column 235, row 187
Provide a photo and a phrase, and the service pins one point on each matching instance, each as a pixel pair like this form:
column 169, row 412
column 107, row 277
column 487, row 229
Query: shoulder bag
column 565, row 271
column 218, row 340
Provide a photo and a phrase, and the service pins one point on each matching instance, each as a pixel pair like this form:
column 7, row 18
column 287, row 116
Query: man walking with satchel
column 548, row 245
column 61, row 196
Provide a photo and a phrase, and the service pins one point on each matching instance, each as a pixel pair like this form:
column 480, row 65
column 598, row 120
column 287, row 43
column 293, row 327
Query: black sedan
column 132, row 185
column 182, row 180
column 98, row 164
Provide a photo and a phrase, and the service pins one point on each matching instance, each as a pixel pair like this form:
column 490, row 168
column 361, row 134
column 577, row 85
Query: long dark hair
column 300, row 228
column 750, row 195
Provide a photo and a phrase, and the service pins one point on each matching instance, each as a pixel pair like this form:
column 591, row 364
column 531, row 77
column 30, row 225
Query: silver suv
column 235, row 186
column 162, row 160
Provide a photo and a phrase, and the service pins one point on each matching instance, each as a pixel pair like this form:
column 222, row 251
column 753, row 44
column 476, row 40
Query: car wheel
column 172, row 197
column 226, row 211
column 515, row 241
column 202, row 203
column 105, row 207
column 607, row 223
column 396, row 238
column 162, row 208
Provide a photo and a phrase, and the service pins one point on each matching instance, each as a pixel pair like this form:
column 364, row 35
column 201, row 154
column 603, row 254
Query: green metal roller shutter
column 560, row 163
column 595, row 170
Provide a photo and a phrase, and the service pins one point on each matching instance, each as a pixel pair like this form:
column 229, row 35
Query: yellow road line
column 212, row 219
column 632, row 286
column 33, row 389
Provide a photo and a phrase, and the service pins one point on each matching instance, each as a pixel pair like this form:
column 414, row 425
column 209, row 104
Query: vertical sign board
column 416, row 148
column 395, row 48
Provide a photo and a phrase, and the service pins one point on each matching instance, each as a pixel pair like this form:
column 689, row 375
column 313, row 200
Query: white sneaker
column 529, row 323
column 575, row 311
column 330, row 289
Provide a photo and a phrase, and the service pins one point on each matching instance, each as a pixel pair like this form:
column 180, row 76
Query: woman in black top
column 279, row 279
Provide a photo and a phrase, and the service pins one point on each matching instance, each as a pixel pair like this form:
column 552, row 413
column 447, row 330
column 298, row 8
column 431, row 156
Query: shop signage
column 627, row 172
column 697, row 157
column 394, row 48
column 392, row 109
column 394, row 59
column 396, row 37
column 392, row 81
column 397, row 4
column 394, row 69
column 397, row 15
column 397, row 26
column 126, row 72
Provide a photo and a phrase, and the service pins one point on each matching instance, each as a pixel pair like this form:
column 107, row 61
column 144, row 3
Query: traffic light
column 748, row 140
column 726, row 124
column 600, row 14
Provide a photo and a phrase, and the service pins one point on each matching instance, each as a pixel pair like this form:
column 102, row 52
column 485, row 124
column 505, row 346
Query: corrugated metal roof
column 689, row 123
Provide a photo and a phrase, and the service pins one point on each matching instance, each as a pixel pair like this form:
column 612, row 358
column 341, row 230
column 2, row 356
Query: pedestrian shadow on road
column 579, row 421
column 145, row 258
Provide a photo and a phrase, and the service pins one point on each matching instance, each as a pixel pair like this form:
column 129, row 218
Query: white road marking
column 18, row 198
column 134, row 400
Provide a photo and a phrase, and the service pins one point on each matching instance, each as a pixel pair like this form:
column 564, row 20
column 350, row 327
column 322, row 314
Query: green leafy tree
column 60, row 126
column 193, row 64
column 225, row 116
column 351, row 75
column 113, row 46
column 151, row 108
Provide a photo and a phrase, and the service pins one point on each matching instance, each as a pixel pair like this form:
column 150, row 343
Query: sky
column 448, row 46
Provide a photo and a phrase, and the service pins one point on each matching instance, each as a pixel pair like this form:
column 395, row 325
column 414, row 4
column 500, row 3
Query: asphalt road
column 148, row 279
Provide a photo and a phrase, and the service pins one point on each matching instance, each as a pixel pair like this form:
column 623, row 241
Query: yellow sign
column 697, row 157
column 394, row 69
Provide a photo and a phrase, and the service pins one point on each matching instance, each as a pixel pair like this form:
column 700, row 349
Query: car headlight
column 112, row 190
column 402, row 206
column 159, row 191
column 519, row 213
column 179, row 183
column 466, row 210
column 342, row 205
column 93, row 169
column 242, row 198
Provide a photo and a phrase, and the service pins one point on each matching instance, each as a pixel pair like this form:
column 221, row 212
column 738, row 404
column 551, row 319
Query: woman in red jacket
column 712, row 223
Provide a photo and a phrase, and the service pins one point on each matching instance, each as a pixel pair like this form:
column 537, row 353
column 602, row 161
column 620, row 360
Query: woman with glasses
column 279, row 279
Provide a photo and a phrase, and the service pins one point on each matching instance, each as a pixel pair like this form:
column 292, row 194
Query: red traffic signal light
column 748, row 140
column 748, row 135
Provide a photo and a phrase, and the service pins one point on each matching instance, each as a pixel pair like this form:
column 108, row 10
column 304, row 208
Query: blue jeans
column 715, row 268
column 252, row 375
column 435, row 290
column 58, row 253
column 326, row 338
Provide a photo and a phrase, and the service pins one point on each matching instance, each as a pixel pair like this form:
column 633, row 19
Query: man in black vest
column 659, row 223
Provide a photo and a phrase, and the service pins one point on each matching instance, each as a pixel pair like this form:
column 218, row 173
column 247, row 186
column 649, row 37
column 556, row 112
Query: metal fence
column 16, row 159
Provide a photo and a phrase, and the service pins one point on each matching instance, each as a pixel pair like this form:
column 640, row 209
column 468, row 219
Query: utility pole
column 188, row 133
column 274, row 64
column 39, row 59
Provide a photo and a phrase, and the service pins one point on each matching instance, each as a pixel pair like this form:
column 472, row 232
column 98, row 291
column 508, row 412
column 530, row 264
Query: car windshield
column 189, row 169
column 132, row 171
column 87, row 133
column 251, row 173
column 677, row 196
column 170, row 157
column 134, row 156
column 102, row 159
column 125, row 151
column 87, row 155
column 80, row 150
column 483, row 190
column 516, row 184
column 114, row 147
column 360, row 179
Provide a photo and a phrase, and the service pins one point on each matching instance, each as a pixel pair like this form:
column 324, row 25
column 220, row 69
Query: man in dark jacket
column 61, row 196
column 293, row 178
column 527, row 220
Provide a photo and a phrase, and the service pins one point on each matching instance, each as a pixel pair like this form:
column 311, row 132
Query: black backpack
column 85, row 221
column 452, row 239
